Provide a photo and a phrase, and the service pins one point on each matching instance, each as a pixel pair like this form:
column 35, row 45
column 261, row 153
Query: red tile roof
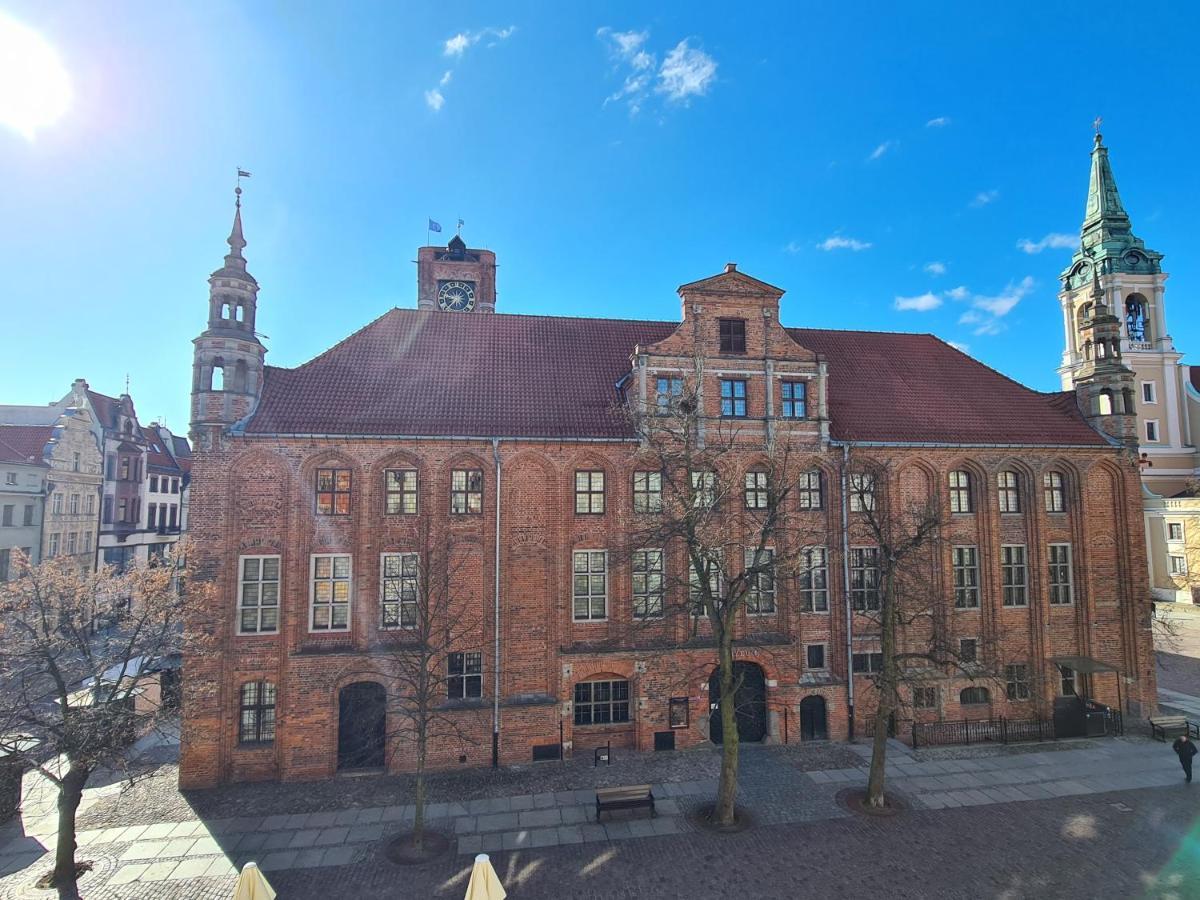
column 415, row 372
column 24, row 443
column 106, row 408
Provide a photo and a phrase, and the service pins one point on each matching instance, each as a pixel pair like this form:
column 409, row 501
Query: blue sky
column 851, row 153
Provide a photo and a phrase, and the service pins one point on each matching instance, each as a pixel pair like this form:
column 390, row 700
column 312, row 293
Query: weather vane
column 241, row 173
column 1096, row 124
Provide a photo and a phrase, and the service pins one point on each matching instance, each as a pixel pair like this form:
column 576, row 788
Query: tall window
column 27, row 517
column 966, row 578
column 154, row 484
column 1056, row 495
column 864, row 578
column 733, row 398
column 733, row 335
column 56, row 505
column 1067, row 681
column 862, row 492
column 760, row 598
column 704, row 489
column 795, row 398
column 968, row 650
column 152, row 515
column 72, row 540
column 73, row 505
column 256, row 724
column 601, row 702
column 466, row 491
column 756, row 490
column 1060, row 574
column 960, row 492
column 330, row 592
column 398, row 590
column 400, row 492
column 465, row 671
column 809, row 490
column 333, row 492
column 1016, row 679
column 1014, row 574
column 75, row 462
column 52, row 550
column 712, row 560
column 5, row 562
column 107, row 515
column 89, row 506
column 6, row 515
column 589, row 493
column 667, row 393
column 1178, row 565
column 647, row 492
column 814, row 580
column 590, row 585
column 647, row 584
column 1008, row 492
column 1152, row 430
column 258, row 595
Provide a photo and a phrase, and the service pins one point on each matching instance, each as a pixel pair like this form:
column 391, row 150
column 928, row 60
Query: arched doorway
column 362, row 716
column 750, row 703
column 813, row 725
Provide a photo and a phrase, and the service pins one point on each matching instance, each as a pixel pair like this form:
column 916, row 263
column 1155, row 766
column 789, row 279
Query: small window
column 1178, row 565
column 89, row 506
column 647, row 492
column 1067, row 681
column 10, row 477
column 966, row 578
column 667, row 394
column 1016, row 678
column 968, row 650
column 27, row 518
column 974, row 696
column 864, row 579
column 678, row 712
column 760, row 597
column 1055, row 492
column 74, row 462
column 601, row 702
column 924, row 698
column 6, row 515
column 733, row 398
column 589, row 493
column 257, row 721
column 154, row 484
column 1008, row 492
column 795, row 399
column 704, row 489
column 400, row 492
column 1152, row 430
column 1149, row 392
column 815, row 657
column 1014, row 575
column 590, row 590
column 398, row 590
column 466, row 491
column 1174, row 531
column 1060, row 574
column 756, row 490
column 333, row 492
column 862, row 492
column 465, row 671
column 814, row 580
column 330, row 592
column 809, row 490
column 960, row 492
column 867, row 663
column 733, row 335
column 647, row 584
column 258, row 595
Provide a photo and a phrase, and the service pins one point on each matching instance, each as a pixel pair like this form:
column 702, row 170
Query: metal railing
column 981, row 731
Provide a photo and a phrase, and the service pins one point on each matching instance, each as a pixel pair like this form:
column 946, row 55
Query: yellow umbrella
column 253, row 885
column 484, row 883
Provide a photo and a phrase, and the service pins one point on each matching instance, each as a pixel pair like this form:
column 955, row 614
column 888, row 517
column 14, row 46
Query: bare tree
column 73, row 697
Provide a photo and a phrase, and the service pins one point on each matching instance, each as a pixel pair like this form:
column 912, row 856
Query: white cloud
column 455, row 47
column 983, row 198
column 434, row 99
column 923, row 303
column 1003, row 303
column 935, row 268
column 1053, row 241
column 987, row 312
column 958, row 293
column 881, row 149
column 837, row 242
column 686, row 72
column 960, row 346
column 793, row 247
column 445, row 80
column 939, row 122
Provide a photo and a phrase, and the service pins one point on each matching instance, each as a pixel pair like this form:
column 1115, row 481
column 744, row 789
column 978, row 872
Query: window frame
column 400, row 603
column 733, row 403
column 862, row 487
column 589, row 493
column 1151, row 396
column 925, row 697
column 959, row 481
column 1152, row 426
column 612, row 702
column 810, row 593
column 334, row 492
column 731, row 333
column 1058, row 587
column 808, row 664
column 668, row 391
column 589, row 595
column 1171, row 527
column 313, row 628
column 756, row 492
column 646, row 492
column 1177, row 565
column 402, row 493
column 874, row 662
column 805, row 491
column 649, row 597
column 704, row 488
column 964, row 563
column 1008, row 496
column 465, row 492
column 264, row 713
column 1016, row 682
column 716, row 580
column 469, row 672
column 788, row 404
column 1054, row 491
column 973, row 659
column 756, row 594
column 1014, row 594
column 862, row 589
column 975, row 690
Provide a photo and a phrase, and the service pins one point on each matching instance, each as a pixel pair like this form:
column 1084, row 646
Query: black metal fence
column 981, row 731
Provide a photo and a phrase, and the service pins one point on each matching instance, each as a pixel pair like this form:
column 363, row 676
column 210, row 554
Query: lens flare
column 35, row 89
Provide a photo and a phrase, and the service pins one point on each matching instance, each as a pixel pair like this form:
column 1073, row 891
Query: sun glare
column 35, row 89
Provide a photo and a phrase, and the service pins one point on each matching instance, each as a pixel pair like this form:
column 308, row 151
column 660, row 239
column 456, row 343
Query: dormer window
column 733, row 335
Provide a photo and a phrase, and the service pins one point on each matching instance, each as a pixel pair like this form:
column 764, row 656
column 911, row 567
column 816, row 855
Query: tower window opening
column 217, row 378
column 238, row 312
column 225, row 311
column 1104, row 403
column 1135, row 317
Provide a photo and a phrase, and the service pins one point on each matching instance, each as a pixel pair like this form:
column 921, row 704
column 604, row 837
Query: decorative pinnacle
column 1096, row 125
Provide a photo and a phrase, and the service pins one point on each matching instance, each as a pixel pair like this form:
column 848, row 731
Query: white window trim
column 1070, row 575
column 382, row 562
column 828, row 598
column 1171, row 564
column 607, row 586
column 1157, row 439
column 279, row 606
column 1153, row 392
column 662, row 587
column 312, row 594
column 748, row 551
column 1182, row 532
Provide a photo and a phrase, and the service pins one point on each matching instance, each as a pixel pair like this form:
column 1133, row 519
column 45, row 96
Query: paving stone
column 539, row 818
column 370, row 816
column 668, row 807
column 128, row 874
column 178, row 846
column 668, row 825
column 470, row 844
column 325, row 819
column 251, row 841
column 515, row 840
column 205, row 846
column 280, row 859
column 390, row 814
column 108, row 835
column 570, row 834
column 275, row 823
column 361, row 833
column 310, row 858
column 544, row 801
column 432, row 811
column 130, row 834
column 145, row 850
column 564, row 798
column 465, row 825
column 525, row 801
column 83, row 838
column 346, row 817
column 189, row 868
column 221, row 866
column 247, row 823
column 585, row 795
column 616, row 831
column 300, row 820
column 543, row 837
column 333, row 835
column 276, row 840
column 159, row 871
column 158, row 830
column 491, row 843
column 497, row 822
column 576, row 815
column 641, row 828
column 301, row 839
column 339, row 856
column 593, row 832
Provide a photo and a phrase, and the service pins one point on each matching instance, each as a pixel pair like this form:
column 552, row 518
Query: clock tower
column 456, row 278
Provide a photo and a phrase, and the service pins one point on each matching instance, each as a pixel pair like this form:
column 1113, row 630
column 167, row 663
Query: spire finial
column 1096, row 126
column 237, row 243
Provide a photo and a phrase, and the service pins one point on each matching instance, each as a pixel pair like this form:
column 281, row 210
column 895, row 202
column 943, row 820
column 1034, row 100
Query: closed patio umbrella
column 484, row 883
column 253, row 885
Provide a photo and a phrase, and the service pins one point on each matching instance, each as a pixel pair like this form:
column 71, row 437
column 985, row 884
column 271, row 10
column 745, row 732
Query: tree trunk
column 70, row 792
column 727, row 788
column 419, row 798
column 878, row 754
column 886, row 689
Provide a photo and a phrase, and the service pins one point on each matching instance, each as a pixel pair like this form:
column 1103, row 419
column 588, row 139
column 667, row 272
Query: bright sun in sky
column 35, row 89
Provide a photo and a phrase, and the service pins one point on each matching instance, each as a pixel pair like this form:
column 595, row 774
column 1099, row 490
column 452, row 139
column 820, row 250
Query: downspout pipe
column 846, row 587
column 496, row 618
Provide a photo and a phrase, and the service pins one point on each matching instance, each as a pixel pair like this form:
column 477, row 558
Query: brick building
column 501, row 436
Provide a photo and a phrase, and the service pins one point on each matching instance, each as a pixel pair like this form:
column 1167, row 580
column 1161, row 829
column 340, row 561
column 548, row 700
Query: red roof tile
column 414, row 372
column 24, row 443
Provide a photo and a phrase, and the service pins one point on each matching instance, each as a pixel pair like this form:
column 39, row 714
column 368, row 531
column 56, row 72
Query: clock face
column 456, row 296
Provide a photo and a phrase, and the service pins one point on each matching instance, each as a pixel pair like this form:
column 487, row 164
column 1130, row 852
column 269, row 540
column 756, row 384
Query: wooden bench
column 1163, row 727
column 633, row 797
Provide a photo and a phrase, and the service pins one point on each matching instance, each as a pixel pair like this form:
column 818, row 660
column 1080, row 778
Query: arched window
column 1127, row 395
column 1008, row 492
column 216, row 378
column 224, row 310
column 1104, row 403
column 1055, row 491
column 1085, row 315
column 256, row 724
column 601, row 702
column 974, row 696
column 1136, row 316
column 1087, row 349
column 960, row 492
column 238, row 312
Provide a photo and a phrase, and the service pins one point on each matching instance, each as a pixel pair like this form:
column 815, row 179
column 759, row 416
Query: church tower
column 456, row 278
column 227, row 362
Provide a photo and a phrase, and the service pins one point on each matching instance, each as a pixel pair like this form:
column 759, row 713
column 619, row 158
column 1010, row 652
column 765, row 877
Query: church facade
column 320, row 491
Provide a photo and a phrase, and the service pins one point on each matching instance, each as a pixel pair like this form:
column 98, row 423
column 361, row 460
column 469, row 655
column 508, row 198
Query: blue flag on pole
column 434, row 226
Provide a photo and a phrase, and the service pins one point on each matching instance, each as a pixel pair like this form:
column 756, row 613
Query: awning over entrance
column 1083, row 664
